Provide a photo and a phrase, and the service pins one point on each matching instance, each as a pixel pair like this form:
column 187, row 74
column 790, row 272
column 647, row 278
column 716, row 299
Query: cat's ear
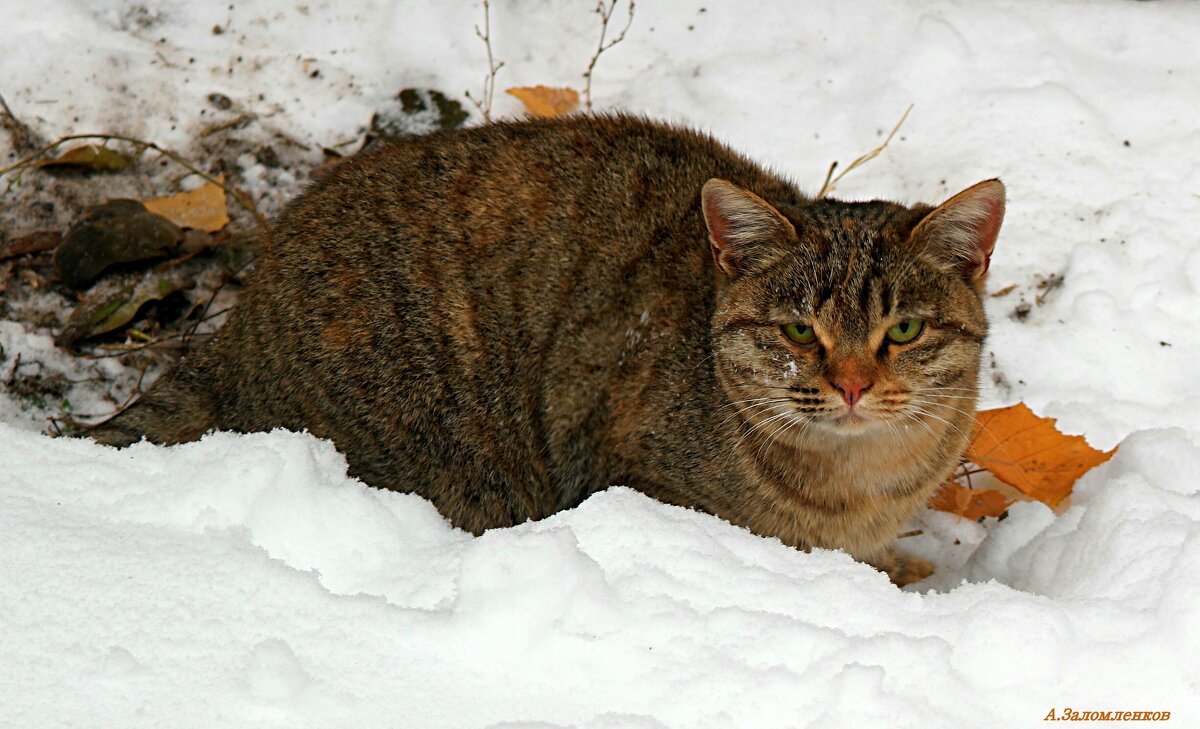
column 962, row 231
column 743, row 229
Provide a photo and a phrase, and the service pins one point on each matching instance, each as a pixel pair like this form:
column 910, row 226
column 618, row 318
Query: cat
column 508, row 318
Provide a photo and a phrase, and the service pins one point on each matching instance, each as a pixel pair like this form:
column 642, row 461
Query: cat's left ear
column 962, row 231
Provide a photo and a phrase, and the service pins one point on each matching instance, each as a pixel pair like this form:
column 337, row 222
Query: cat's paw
column 906, row 570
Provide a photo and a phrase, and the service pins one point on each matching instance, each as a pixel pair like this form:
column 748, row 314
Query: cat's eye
column 905, row 331
column 800, row 333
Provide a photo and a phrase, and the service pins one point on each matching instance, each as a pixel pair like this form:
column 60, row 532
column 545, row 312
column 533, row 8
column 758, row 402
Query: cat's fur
column 508, row 318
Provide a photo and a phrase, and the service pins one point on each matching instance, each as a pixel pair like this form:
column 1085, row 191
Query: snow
column 246, row 580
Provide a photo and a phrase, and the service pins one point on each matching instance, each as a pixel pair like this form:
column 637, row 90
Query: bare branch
column 484, row 103
column 831, row 181
column 605, row 11
column 22, row 137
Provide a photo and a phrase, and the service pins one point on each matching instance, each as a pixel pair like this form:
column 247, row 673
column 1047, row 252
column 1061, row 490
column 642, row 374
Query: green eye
column 905, row 331
column 800, row 333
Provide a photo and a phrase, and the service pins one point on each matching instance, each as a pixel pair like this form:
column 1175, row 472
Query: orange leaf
column 1028, row 453
column 545, row 101
column 970, row 503
column 201, row 209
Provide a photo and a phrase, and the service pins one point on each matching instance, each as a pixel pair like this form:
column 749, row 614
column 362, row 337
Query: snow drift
column 246, row 580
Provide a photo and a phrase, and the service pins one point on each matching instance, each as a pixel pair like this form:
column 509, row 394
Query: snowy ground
column 245, row 580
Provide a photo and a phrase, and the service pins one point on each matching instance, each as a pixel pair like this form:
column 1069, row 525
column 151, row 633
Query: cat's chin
column 852, row 422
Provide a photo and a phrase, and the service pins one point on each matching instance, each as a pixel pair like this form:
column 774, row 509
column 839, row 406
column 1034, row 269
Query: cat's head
column 850, row 318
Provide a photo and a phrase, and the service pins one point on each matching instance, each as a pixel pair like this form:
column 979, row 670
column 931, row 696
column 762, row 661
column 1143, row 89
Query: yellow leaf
column 89, row 156
column 545, row 101
column 969, row 503
column 1028, row 453
column 201, row 209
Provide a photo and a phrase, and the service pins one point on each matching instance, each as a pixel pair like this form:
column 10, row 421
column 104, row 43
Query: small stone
column 221, row 101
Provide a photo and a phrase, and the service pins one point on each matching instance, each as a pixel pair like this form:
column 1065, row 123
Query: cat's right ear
column 743, row 229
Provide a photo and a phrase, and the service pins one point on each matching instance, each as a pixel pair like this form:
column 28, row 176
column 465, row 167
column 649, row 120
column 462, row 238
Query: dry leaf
column 1028, row 453
column 118, row 231
column 94, row 316
column 969, row 503
column 91, row 157
column 202, row 209
column 545, row 101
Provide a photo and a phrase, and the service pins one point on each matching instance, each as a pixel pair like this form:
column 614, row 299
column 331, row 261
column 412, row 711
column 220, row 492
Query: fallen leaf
column 545, row 101
column 91, row 157
column 98, row 315
column 118, row 231
column 969, row 503
column 202, row 209
column 1028, row 453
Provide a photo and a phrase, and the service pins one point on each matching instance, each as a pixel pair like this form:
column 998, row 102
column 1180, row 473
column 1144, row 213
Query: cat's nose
column 852, row 389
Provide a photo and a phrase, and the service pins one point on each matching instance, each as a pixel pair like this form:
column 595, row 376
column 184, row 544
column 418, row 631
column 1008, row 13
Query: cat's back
column 513, row 232
column 576, row 172
column 470, row 296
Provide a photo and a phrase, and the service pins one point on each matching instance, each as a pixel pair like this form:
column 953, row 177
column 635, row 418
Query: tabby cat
column 509, row 318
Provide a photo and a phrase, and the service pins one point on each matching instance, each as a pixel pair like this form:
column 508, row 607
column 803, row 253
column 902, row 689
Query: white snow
column 246, row 580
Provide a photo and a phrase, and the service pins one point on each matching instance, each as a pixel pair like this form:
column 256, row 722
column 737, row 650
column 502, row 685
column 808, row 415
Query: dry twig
column 831, row 181
column 22, row 138
column 12, row 375
column 36, row 242
column 484, row 104
column 605, row 11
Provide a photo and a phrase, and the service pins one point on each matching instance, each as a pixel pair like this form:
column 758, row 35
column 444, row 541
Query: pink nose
column 852, row 390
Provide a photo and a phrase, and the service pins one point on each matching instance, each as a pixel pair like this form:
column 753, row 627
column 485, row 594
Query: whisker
column 751, row 407
column 759, row 426
column 749, row 399
column 891, row 427
column 693, row 369
column 769, row 406
column 910, row 416
column 791, row 423
column 921, row 411
column 948, row 406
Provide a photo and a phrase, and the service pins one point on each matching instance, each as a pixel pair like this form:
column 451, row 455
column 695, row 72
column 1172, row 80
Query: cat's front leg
column 901, row 569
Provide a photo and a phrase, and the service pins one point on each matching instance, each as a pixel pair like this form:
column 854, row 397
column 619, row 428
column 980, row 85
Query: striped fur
column 508, row 318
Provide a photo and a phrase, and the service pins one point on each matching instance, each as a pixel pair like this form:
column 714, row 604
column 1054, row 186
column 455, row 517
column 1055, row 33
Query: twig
column 133, row 393
column 227, row 124
column 489, row 82
column 828, row 176
column 120, row 350
column 162, row 342
column 237, row 195
column 22, row 137
column 831, row 181
column 191, row 331
column 12, row 375
column 913, row 533
column 37, row 242
column 605, row 11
